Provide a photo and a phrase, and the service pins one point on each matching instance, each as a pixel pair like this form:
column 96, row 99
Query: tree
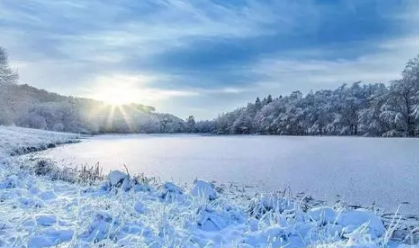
column 410, row 95
column 191, row 124
column 269, row 99
column 206, row 127
column 7, row 76
column 401, row 108
column 371, row 123
column 258, row 104
column 242, row 124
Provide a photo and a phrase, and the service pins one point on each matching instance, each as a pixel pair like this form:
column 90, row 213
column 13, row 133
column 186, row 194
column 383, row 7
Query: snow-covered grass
column 130, row 211
column 123, row 211
column 17, row 140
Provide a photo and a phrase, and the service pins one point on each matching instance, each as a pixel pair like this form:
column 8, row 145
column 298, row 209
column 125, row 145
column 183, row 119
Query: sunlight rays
column 110, row 119
column 114, row 115
column 126, row 117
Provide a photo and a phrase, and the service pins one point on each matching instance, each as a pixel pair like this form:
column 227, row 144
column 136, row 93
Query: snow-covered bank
column 18, row 140
column 125, row 211
column 129, row 212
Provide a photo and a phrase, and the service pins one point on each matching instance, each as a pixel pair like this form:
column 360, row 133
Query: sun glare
column 117, row 100
column 118, row 96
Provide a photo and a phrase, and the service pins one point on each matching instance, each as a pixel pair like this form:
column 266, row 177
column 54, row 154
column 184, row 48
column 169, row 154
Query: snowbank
column 132, row 212
column 18, row 140
column 36, row 212
column 203, row 189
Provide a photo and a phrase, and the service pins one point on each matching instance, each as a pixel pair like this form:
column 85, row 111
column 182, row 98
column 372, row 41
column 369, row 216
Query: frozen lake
column 361, row 170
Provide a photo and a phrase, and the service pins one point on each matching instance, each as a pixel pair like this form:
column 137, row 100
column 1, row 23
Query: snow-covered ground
column 17, row 140
column 129, row 211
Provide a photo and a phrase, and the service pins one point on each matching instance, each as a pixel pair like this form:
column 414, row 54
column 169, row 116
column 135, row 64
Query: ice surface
column 360, row 170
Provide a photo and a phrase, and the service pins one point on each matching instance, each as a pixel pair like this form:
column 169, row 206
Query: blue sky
column 205, row 57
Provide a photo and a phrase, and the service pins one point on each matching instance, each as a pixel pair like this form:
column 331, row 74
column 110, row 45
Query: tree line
column 358, row 109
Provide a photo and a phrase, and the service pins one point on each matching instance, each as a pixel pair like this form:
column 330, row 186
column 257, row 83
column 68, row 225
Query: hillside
column 28, row 106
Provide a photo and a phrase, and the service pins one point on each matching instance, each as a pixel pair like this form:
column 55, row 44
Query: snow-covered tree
column 191, row 124
column 402, row 107
column 7, row 75
column 356, row 109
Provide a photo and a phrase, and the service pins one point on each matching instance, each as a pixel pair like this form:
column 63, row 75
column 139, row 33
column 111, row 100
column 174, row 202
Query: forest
column 388, row 109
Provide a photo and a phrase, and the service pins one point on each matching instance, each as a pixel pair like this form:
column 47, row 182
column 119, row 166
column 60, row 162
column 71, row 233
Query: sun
column 117, row 99
column 117, row 96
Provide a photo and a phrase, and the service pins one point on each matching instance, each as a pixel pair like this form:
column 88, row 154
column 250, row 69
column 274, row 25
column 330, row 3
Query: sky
column 205, row 57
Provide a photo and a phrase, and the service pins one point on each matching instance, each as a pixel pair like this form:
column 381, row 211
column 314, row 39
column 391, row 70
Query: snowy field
column 15, row 140
column 133, row 211
column 364, row 171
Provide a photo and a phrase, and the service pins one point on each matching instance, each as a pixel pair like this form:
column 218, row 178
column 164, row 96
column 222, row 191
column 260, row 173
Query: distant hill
column 27, row 106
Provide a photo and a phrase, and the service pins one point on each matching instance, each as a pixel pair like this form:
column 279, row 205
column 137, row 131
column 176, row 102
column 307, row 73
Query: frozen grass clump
column 263, row 204
column 79, row 174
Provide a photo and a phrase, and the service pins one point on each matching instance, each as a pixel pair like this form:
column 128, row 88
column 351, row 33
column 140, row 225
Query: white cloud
column 100, row 28
column 177, row 23
column 304, row 74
